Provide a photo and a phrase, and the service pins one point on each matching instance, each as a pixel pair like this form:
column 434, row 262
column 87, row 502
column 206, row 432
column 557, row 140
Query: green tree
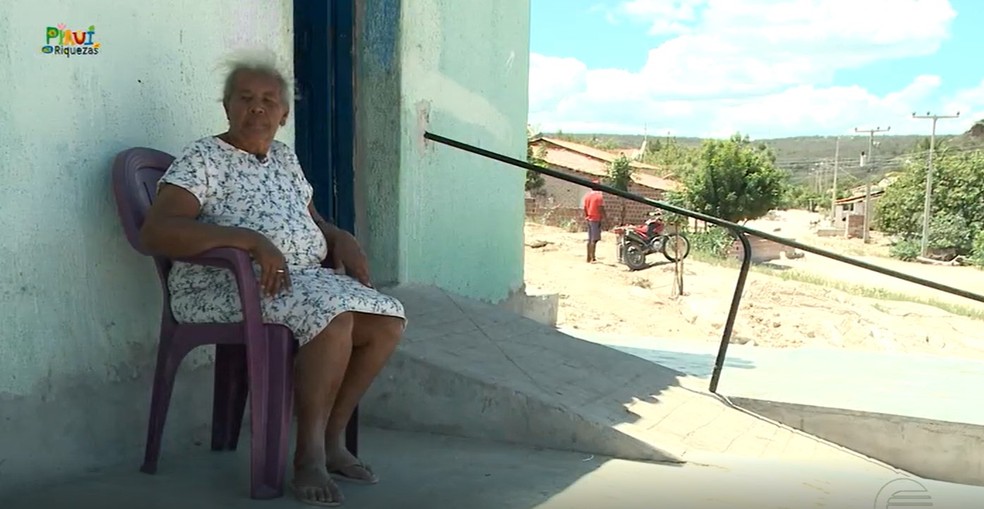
column 846, row 182
column 620, row 177
column 805, row 197
column 668, row 154
column 734, row 180
column 606, row 144
column 534, row 181
column 977, row 251
column 958, row 199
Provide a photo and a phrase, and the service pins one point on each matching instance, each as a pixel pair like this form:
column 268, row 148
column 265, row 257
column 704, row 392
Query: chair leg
column 160, row 400
column 352, row 433
column 271, row 402
column 229, row 401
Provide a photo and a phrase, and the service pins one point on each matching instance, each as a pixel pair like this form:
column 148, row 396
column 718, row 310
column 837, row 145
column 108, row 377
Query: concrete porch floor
column 429, row 471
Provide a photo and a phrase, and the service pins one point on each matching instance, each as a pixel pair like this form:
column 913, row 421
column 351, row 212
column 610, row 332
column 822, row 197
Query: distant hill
column 802, row 155
column 973, row 138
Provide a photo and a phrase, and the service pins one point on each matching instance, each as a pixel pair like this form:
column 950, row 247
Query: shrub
column 715, row 242
column 977, row 250
column 950, row 231
column 906, row 250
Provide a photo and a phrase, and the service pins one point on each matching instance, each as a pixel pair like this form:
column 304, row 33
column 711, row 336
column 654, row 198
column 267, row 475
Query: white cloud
column 554, row 78
column 665, row 16
column 764, row 67
column 969, row 103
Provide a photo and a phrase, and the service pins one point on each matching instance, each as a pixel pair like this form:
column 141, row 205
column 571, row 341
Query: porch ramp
column 475, row 370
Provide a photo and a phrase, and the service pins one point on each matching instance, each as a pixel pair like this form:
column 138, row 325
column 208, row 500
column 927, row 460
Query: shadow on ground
column 417, row 471
column 469, row 369
column 693, row 364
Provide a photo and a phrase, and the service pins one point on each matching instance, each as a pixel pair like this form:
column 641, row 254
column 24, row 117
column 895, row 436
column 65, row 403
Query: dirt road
column 605, row 297
column 964, row 278
column 795, row 224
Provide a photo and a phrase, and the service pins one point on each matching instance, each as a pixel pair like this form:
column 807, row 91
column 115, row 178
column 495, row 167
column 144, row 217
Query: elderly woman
column 242, row 189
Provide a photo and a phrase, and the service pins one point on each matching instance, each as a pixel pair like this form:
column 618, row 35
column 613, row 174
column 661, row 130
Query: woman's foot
column 344, row 466
column 315, row 487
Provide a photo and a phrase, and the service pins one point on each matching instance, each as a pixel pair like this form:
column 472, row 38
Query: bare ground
column 606, row 297
column 795, row 224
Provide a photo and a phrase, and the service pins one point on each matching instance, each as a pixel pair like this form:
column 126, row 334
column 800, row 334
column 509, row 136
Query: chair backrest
column 135, row 175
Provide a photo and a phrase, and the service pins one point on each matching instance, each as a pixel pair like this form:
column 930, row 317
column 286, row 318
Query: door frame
column 324, row 108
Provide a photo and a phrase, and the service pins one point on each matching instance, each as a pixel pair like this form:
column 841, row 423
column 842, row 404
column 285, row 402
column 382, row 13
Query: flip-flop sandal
column 345, row 474
column 298, row 493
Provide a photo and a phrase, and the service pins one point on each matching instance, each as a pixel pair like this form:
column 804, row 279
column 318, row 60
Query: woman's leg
column 318, row 374
column 374, row 338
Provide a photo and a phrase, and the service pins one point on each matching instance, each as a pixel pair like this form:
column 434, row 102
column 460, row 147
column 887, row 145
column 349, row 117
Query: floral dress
column 270, row 196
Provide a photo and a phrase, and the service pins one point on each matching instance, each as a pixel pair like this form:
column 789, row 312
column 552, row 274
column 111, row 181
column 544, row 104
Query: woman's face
column 255, row 109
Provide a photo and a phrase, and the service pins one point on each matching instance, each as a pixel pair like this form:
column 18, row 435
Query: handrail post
column 729, row 325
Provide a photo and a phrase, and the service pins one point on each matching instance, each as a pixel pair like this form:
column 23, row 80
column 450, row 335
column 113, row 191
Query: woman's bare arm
column 171, row 228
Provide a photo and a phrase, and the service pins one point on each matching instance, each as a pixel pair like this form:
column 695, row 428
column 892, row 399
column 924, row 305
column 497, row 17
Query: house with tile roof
column 560, row 202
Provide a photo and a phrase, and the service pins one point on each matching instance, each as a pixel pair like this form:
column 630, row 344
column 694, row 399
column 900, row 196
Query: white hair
column 262, row 62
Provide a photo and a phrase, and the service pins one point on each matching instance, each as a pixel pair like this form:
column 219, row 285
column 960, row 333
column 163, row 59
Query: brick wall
column 635, row 213
column 564, row 194
column 569, row 218
column 855, row 226
column 558, row 194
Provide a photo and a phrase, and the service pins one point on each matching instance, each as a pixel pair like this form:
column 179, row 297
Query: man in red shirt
column 594, row 212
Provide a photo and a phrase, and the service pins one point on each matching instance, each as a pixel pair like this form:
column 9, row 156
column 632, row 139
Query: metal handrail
column 739, row 231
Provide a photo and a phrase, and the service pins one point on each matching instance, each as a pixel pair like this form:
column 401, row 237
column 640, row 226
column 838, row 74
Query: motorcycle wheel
column 634, row 256
column 675, row 243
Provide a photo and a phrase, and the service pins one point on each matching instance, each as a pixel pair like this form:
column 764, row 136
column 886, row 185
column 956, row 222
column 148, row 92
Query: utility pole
column 833, row 193
column 928, row 205
column 867, row 189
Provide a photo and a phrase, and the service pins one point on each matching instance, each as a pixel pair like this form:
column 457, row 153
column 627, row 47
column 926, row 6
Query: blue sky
column 767, row 68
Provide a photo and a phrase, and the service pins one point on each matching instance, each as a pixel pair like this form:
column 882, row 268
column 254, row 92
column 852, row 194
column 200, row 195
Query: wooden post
column 677, row 266
column 867, row 211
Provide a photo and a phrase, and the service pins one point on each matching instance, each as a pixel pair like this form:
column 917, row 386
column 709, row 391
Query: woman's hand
column 347, row 253
column 273, row 266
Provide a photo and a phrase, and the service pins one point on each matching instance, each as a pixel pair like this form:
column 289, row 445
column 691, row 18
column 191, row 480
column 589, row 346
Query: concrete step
column 488, row 373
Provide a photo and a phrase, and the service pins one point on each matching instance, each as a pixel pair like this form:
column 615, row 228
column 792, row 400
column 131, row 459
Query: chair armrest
column 241, row 265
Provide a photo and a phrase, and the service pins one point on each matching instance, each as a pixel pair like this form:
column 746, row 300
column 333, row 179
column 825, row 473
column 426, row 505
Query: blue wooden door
column 324, row 115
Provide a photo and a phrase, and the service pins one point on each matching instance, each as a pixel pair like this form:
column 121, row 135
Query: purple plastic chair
column 248, row 354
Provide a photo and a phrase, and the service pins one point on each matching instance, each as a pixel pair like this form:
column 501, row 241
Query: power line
column 867, row 189
column 802, row 165
column 833, row 191
column 928, row 205
column 897, row 158
column 844, row 158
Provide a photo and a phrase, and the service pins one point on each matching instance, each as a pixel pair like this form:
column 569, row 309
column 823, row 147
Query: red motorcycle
column 637, row 242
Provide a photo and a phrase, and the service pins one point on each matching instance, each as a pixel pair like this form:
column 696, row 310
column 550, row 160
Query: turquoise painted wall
column 79, row 308
column 378, row 136
column 464, row 75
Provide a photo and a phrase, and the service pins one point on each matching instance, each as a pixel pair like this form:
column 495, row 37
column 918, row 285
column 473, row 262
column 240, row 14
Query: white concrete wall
column 939, row 450
column 79, row 308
